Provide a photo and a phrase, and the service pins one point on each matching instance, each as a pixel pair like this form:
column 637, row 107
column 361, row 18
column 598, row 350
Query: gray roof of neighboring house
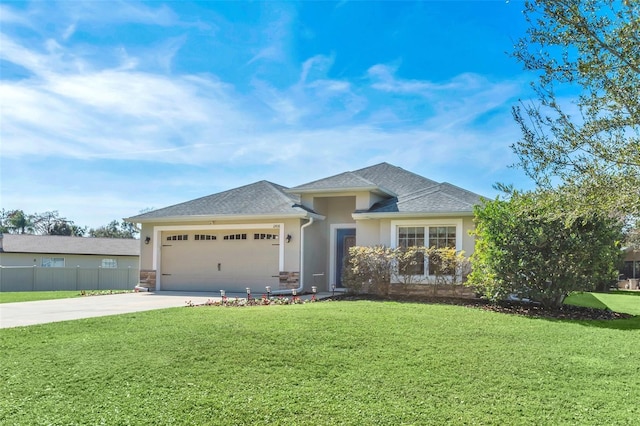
column 260, row 198
column 54, row 244
column 408, row 192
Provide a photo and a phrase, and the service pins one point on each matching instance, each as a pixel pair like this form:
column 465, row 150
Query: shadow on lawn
column 598, row 315
column 619, row 324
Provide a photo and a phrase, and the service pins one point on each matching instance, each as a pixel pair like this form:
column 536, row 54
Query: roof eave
column 349, row 190
column 225, row 217
column 409, row 215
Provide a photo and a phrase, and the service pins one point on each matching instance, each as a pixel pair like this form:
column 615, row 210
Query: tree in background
column 47, row 223
column 17, row 222
column 51, row 223
column 68, row 229
column 115, row 230
column 521, row 249
column 591, row 146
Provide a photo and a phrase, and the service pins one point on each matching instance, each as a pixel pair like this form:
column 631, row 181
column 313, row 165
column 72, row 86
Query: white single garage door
column 221, row 260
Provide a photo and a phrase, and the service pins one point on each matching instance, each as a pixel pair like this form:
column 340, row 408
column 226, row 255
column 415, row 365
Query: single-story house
column 265, row 234
column 50, row 262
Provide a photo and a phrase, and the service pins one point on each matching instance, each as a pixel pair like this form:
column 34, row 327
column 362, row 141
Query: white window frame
column 426, row 223
column 52, row 262
column 109, row 263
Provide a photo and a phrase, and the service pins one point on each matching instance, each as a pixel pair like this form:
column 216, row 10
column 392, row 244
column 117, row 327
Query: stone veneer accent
column 434, row 290
column 148, row 279
column 289, row 280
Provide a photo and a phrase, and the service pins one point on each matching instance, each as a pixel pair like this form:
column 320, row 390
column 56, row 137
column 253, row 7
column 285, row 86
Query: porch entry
column 345, row 239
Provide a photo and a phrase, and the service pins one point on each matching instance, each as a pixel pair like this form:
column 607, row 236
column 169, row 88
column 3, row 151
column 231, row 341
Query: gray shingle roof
column 12, row 243
column 407, row 192
column 441, row 198
column 346, row 181
column 397, row 179
column 260, row 198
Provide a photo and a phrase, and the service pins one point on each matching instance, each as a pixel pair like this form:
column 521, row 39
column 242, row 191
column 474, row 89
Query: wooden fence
column 35, row 278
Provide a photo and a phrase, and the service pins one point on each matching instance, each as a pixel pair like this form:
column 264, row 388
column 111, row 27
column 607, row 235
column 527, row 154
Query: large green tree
column 582, row 135
column 521, row 249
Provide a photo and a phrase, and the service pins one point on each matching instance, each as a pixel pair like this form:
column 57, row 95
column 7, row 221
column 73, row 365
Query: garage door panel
column 217, row 264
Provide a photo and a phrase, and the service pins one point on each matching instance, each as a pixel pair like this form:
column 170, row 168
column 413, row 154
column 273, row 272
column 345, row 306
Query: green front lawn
column 354, row 363
column 30, row 296
column 618, row 301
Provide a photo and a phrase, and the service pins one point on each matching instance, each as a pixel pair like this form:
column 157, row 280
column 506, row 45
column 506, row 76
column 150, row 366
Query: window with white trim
column 53, row 262
column 428, row 236
column 109, row 263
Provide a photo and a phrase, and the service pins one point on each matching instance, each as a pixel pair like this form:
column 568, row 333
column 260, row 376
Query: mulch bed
column 565, row 312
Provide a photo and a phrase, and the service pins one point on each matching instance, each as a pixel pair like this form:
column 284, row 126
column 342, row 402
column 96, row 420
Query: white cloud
column 194, row 119
column 173, row 128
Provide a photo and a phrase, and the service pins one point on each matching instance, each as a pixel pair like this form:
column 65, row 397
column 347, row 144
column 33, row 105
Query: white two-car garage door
column 222, row 260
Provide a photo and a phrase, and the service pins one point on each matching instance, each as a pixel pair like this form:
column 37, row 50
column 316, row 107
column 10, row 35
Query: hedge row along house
column 265, row 234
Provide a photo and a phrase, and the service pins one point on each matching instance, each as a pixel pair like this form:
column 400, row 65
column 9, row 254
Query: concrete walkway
column 45, row 311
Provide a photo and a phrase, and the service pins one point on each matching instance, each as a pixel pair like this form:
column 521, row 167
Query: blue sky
column 108, row 108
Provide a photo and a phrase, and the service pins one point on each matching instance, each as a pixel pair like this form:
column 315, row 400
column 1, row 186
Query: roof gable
column 347, row 181
column 55, row 244
column 441, row 198
column 384, row 177
column 259, row 198
column 395, row 178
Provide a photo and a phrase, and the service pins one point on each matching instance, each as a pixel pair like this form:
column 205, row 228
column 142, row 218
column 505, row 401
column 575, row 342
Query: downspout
column 301, row 281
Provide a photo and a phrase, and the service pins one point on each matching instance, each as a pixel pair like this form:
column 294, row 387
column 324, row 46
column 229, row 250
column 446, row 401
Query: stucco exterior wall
column 468, row 241
column 70, row 260
column 318, row 251
column 368, row 233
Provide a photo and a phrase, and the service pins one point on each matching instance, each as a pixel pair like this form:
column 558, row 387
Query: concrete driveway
column 44, row 311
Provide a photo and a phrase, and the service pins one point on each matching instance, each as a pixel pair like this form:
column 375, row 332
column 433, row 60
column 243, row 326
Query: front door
column 345, row 239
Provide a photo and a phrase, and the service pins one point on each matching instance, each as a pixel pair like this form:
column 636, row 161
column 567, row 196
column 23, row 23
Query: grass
column 617, row 301
column 351, row 363
column 29, row 296
column 32, row 296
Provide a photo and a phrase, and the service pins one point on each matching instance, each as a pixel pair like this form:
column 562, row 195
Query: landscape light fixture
column 268, row 288
column 248, row 293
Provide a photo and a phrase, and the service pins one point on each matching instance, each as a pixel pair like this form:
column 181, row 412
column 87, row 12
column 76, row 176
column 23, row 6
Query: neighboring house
column 48, row 262
column 265, row 234
column 630, row 274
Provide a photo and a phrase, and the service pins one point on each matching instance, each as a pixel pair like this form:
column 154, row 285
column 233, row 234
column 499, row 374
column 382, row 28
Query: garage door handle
column 164, row 275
